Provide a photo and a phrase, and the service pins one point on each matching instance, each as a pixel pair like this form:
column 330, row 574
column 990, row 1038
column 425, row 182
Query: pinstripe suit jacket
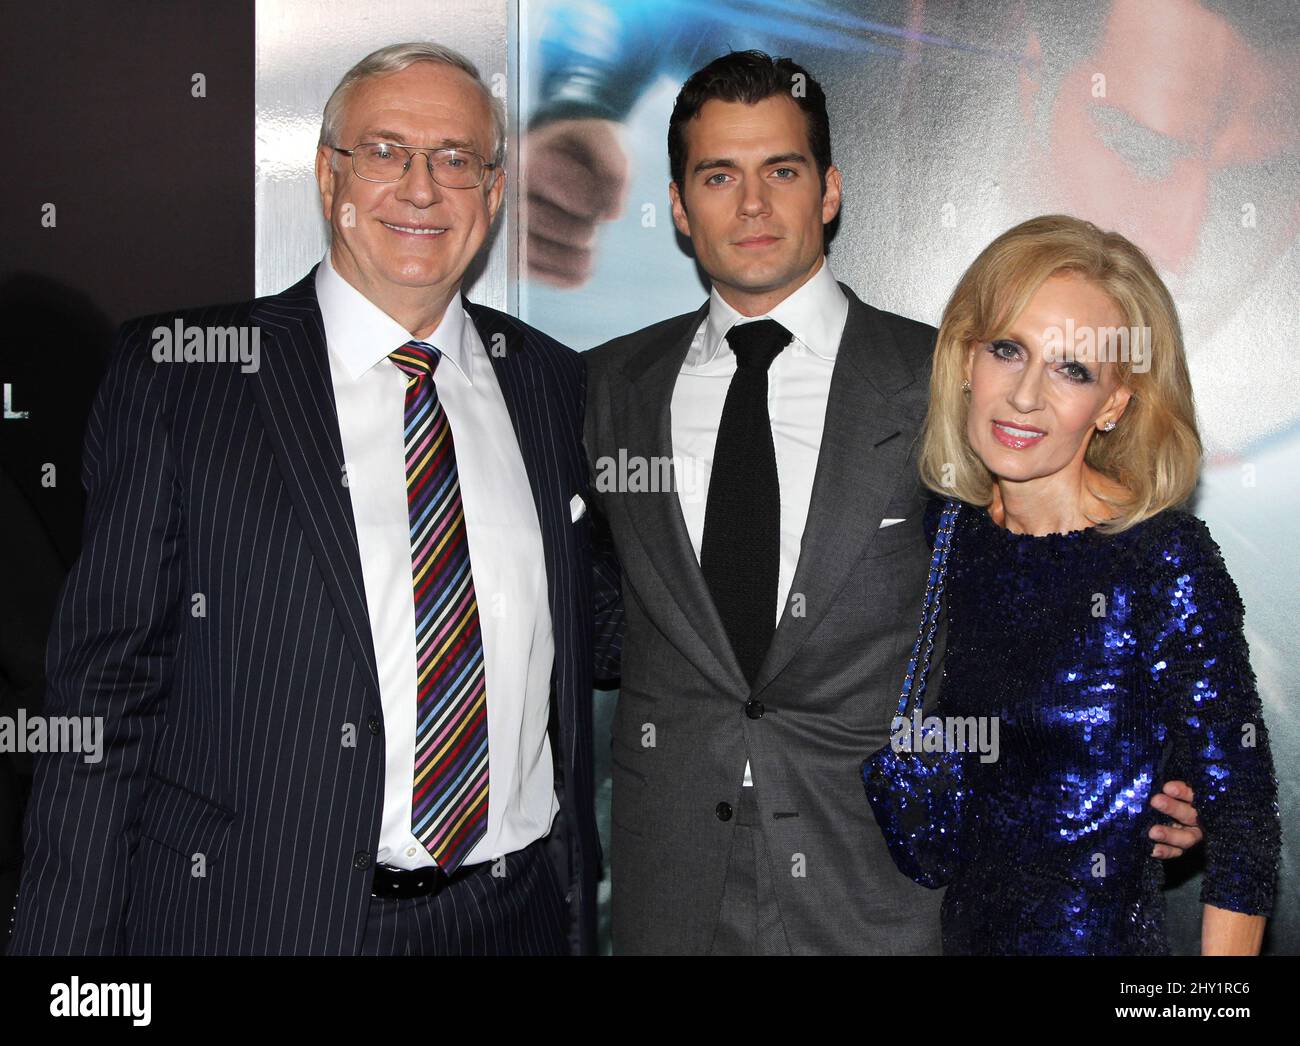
column 217, row 621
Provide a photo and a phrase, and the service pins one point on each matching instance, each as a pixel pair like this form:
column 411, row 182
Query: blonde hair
column 1154, row 451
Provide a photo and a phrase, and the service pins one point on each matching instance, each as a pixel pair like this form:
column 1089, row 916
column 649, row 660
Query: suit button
column 754, row 709
column 723, row 810
column 361, row 860
column 373, row 725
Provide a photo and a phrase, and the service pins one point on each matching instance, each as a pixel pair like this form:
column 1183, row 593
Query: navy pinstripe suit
column 246, row 726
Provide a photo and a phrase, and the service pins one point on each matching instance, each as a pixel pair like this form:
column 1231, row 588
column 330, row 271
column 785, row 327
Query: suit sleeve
column 608, row 580
column 109, row 662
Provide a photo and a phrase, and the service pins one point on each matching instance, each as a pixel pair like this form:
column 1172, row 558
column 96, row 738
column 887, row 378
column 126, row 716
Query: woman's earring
column 965, row 385
column 1108, row 426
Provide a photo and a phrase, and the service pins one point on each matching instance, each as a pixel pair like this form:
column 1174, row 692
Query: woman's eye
column 1078, row 372
column 1005, row 350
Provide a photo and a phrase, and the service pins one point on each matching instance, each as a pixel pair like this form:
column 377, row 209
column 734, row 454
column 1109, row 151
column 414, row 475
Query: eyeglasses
column 387, row 162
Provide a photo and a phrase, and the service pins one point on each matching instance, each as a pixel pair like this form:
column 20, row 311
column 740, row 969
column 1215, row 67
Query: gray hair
column 393, row 59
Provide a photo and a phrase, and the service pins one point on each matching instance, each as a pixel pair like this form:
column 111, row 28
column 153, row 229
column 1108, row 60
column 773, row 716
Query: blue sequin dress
column 1113, row 663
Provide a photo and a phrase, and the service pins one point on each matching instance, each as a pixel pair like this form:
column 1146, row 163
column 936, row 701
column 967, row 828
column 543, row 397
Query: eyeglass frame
column 411, row 152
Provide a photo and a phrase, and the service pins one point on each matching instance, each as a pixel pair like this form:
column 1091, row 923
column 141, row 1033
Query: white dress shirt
column 506, row 557
column 798, row 384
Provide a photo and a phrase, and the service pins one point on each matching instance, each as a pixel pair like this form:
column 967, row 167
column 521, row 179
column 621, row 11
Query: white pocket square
column 890, row 522
column 577, row 508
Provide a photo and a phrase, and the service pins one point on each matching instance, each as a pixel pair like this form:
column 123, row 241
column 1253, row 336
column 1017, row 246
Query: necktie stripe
column 446, row 829
column 440, row 554
column 449, row 786
column 437, row 612
column 426, row 457
column 438, row 725
column 431, row 545
column 430, row 499
column 453, row 753
column 444, row 644
column 457, row 752
column 445, row 821
column 430, row 818
column 469, row 824
column 437, row 690
column 430, row 634
column 464, row 774
column 426, row 468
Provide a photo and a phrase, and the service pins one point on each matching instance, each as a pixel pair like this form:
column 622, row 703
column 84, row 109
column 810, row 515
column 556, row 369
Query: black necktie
column 740, row 553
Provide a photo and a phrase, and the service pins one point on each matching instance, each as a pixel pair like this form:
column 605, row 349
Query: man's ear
column 831, row 197
column 496, row 193
column 679, row 211
column 325, row 180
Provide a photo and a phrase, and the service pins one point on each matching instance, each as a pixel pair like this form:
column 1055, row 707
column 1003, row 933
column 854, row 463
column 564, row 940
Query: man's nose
column 755, row 199
column 416, row 186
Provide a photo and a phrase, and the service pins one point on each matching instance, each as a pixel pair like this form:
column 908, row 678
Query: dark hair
column 750, row 77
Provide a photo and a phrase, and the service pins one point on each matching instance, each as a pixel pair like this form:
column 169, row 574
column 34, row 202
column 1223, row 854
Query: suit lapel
column 863, row 452
column 295, row 396
column 644, row 428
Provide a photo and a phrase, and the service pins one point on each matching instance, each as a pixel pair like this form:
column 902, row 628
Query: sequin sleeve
column 1199, row 664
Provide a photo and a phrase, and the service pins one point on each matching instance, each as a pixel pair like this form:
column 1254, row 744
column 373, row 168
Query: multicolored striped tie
column 449, row 802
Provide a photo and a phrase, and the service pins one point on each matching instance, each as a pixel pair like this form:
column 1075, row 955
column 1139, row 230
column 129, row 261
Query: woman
column 1086, row 612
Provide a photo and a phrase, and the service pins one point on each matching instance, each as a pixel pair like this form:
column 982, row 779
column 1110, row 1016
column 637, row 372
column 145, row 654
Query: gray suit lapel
column 644, row 427
column 864, row 450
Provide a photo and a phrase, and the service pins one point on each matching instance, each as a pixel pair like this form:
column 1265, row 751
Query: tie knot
column 416, row 359
column 757, row 344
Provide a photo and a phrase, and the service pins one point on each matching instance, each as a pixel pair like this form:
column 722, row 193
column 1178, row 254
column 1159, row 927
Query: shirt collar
column 814, row 314
column 361, row 334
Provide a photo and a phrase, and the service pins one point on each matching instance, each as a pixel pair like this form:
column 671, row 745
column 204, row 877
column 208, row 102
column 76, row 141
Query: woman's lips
column 1016, row 437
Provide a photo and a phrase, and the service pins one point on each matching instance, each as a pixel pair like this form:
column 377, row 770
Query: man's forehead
column 441, row 100
column 773, row 125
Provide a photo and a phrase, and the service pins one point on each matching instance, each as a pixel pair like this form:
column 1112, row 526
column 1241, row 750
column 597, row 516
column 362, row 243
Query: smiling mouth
column 1016, row 437
column 416, row 230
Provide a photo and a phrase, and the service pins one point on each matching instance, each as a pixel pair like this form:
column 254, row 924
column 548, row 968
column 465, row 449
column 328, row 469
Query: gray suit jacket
column 828, row 687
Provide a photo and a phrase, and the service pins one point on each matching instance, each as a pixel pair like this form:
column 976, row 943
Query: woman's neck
column 1054, row 504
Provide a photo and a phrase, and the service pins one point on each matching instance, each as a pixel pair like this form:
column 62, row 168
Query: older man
column 335, row 606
